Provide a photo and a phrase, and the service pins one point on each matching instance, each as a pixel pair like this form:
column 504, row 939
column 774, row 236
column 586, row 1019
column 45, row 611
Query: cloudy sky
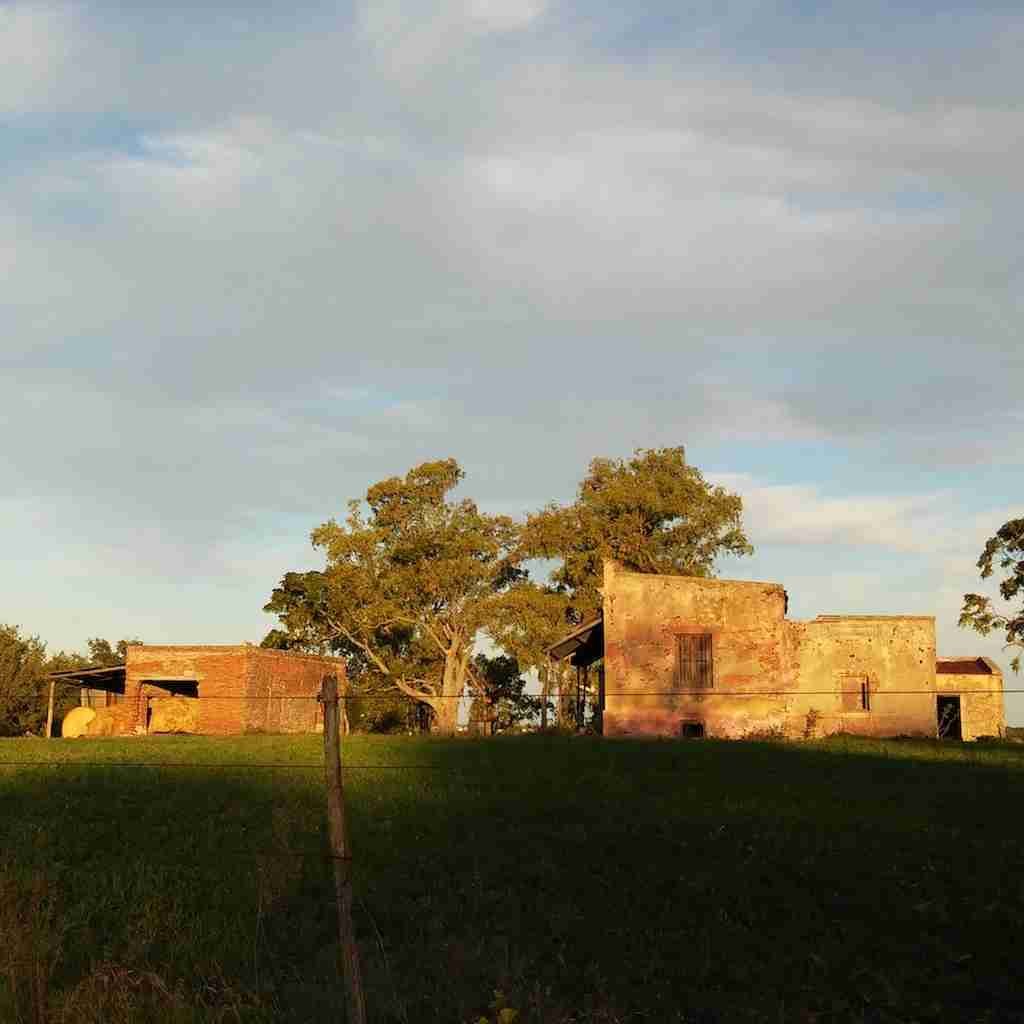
column 256, row 257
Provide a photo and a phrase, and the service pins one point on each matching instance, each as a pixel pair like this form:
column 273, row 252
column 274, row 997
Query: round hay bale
column 75, row 722
column 110, row 721
column 173, row 714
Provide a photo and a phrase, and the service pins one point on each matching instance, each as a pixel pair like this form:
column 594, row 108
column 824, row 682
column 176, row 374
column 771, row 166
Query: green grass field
column 587, row 880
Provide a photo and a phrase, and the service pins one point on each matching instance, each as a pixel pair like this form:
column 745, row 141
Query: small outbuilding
column 690, row 656
column 218, row 690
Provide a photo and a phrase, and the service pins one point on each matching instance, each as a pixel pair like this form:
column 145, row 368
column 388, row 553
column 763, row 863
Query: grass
column 587, row 880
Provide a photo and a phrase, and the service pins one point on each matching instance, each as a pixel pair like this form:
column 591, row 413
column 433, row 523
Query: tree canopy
column 413, row 577
column 24, row 677
column 1005, row 550
column 102, row 653
column 527, row 619
column 410, row 579
column 652, row 513
column 500, row 701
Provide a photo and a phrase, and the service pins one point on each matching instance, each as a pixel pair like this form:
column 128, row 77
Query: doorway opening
column 947, row 713
column 692, row 730
column 170, row 688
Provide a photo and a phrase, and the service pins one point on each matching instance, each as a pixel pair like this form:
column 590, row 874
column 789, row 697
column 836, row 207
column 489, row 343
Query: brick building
column 684, row 655
column 237, row 689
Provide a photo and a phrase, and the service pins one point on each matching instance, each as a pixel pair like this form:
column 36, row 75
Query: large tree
column 410, row 580
column 1005, row 549
column 500, row 701
column 525, row 622
column 24, row 678
column 22, row 681
column 653, row 513
column 103, row 654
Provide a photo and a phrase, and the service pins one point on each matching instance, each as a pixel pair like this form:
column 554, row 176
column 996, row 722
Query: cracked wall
column 862, row 674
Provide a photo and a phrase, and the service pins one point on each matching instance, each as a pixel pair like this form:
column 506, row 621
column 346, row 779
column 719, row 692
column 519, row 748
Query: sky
column 255, row 257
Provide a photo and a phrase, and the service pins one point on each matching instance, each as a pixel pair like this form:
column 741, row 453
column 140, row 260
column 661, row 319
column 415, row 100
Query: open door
column 947, row 713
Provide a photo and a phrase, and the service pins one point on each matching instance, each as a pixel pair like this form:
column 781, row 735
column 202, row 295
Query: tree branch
column 362, row 645
column 427, row 698
column 418, row 622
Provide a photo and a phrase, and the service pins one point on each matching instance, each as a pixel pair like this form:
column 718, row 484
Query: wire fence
column 701, row 692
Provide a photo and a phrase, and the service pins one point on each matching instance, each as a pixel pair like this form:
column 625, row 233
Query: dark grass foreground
column 586, row 880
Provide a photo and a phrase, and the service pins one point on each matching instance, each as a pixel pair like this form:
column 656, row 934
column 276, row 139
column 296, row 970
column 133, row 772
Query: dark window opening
column 179, row 687
column 694, row 664
column 855, row 693
column 947, row 710
column 692, row 730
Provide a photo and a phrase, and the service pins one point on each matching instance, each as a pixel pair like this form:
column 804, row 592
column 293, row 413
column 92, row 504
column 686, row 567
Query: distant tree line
column 25, row 667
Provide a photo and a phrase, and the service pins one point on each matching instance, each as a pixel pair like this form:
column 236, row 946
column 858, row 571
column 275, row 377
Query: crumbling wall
column 870, row 675
column 753, row 672
column 892, row 656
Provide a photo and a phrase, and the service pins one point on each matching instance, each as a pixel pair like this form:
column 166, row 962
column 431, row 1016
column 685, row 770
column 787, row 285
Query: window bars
column 694, row 663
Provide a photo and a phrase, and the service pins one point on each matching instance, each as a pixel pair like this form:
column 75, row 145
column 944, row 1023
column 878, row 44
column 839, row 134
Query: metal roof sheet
column 572, row 642
column 962, row 667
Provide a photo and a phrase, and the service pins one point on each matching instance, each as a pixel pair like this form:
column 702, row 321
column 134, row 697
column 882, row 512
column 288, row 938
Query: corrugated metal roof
column 109, row 677
column 576, row 639
column 962, row 667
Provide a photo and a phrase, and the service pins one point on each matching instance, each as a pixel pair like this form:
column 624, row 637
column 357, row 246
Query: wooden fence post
column 340, row 853
column 49, row 712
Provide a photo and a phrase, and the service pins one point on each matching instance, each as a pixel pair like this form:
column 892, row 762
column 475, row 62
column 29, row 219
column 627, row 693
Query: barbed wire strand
column 571, row 691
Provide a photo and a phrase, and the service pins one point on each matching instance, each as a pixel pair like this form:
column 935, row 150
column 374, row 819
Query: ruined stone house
column 226, row 689
column 685, row 655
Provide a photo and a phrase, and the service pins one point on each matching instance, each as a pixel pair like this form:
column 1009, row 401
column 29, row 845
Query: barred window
column 694, row 665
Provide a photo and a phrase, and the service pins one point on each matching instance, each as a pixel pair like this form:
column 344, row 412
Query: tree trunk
column 566, row 698
column 445, row 703
column 545, row 692
column 453, row 682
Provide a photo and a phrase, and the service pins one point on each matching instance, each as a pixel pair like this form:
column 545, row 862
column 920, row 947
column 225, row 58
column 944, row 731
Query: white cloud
column 335, row 250
column 505, row 15
column 37, row 43
column 799, row 514
column 410, row 42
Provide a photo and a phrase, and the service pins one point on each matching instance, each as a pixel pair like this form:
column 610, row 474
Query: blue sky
column 255, row 258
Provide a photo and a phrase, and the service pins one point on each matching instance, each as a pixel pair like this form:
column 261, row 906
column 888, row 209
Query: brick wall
column 241, row 688
column 283, row 687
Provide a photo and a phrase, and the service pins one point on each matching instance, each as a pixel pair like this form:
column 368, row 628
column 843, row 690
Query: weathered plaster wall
column 894, row 655
column 643, row 615
column 981, row 701
column 770, row 674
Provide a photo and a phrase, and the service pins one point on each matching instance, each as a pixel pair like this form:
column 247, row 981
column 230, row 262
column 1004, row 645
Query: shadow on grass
column 588, row 880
